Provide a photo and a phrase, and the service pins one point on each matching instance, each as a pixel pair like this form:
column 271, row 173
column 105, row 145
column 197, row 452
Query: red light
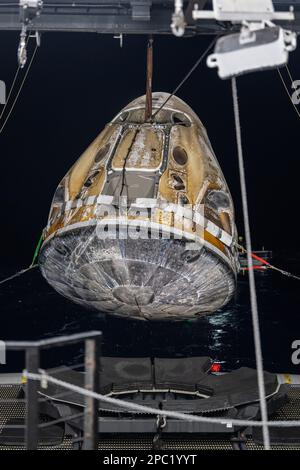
column 215, row 367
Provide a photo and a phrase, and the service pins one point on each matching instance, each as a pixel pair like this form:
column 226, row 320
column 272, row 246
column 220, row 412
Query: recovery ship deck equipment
column 143, row 403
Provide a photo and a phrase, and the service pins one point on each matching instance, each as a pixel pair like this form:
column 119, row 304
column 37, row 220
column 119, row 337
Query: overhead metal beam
column 120, row 17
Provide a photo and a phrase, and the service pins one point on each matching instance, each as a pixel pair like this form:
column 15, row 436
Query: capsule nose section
column 134, row 295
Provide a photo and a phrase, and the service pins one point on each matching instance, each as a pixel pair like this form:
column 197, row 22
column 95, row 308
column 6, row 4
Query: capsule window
column 218, row 200
column 59, row 196
column 91, row 179
column 178, row 183
column 101, row 154
column 180, row 156
column 180, row 119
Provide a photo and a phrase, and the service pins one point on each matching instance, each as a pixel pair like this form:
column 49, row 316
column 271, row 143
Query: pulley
column 178, row 20
column 29, row 10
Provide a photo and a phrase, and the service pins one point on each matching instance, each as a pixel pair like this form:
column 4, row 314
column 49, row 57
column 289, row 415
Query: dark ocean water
column 30, row 309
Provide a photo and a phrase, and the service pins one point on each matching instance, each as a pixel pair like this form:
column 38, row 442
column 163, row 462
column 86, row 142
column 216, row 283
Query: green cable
column 37, row 250
column 19, row 273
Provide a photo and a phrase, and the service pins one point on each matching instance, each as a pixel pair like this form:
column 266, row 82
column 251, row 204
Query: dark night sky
column 79, row 82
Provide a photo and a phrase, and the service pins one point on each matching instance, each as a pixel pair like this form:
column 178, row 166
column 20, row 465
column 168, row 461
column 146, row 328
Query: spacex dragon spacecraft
column 142, row 225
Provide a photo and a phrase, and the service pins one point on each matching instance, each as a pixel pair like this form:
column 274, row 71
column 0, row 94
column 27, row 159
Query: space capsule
column 142, row 226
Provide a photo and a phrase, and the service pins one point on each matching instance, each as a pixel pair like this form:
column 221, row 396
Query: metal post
column 32, row 405
column 148, row 107
column 92, row 382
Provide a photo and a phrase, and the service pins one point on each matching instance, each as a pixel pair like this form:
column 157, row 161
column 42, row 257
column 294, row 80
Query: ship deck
column 56, row 437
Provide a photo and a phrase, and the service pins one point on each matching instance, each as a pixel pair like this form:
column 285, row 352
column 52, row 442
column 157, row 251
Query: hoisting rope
column 19, row 91
column 268, row 265
column 149, row 78
column 253, row 298
column 286, row 88
column 13, row 85
column 10, row 91
column 187, row 76
column 31, row 266
column 19, row 273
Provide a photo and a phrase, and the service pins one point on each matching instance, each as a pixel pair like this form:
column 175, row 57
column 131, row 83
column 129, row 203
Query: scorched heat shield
column 142, row 225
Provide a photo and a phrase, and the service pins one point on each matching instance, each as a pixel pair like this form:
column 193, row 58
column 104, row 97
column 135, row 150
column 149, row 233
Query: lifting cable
column 201, row 58
column 31, row 266
column 149, row 79
column 10, row 91
column 253, row 297
column 187, row 76
column 19, row 273
column 286, row 88
column 13, row 84
column 19, row 91
column 267, row 265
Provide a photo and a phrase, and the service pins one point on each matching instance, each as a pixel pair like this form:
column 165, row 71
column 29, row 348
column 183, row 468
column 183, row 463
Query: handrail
column 52, row 342
column 32, row 350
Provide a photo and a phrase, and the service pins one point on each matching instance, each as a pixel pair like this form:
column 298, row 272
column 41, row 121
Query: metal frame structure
column 32, row 351
column 119, row 16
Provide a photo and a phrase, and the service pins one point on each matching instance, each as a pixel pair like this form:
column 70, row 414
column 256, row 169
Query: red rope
column 262, row 268
column 266, row 265
column 263, row 261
